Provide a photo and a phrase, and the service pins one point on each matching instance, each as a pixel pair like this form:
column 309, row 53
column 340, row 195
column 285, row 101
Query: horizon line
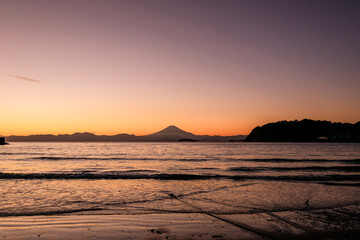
column 171, row 125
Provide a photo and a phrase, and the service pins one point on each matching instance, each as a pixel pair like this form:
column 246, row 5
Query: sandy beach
column 335, row 223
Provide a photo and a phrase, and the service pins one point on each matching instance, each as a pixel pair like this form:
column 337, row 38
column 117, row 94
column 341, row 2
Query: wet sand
column 335, row 223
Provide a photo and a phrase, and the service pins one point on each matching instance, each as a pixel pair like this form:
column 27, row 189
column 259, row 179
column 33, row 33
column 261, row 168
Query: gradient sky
column 208, row 67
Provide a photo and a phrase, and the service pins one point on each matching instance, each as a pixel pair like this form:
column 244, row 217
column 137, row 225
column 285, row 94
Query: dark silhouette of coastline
column 169, row 134
column 187, row 140
column 2, row 141
column 305, row 130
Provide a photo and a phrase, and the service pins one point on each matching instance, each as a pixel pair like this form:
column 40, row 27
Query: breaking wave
column 126, row 175
column 309, row 160
column 89, row 158
column 271, row 160
column 287, row 169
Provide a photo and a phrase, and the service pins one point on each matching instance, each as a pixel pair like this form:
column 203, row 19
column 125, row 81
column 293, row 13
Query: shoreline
column 336, row 223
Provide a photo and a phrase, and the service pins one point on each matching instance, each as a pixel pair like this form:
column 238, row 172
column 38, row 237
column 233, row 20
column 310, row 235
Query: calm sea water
column 134, row 178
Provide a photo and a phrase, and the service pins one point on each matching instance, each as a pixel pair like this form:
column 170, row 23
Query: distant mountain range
column 169, row 134
column 305, row 130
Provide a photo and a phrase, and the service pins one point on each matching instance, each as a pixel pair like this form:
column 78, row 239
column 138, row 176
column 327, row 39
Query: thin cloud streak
column 26, row 78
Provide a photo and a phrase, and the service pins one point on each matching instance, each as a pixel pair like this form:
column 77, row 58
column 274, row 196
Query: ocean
column 141, row 178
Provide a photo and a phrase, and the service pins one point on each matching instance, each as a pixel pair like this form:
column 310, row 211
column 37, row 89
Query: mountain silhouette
column 172, row 130
column 168, row 134
column 171, row 133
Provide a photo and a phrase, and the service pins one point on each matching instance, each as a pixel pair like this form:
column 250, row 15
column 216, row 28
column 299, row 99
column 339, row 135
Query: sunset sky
column 208, row 67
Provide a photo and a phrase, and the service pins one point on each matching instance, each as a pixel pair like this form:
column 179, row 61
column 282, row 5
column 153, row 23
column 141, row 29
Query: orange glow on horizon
column 111, row 67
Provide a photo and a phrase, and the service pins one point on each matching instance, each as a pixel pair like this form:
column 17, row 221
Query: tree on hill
column 305, row 130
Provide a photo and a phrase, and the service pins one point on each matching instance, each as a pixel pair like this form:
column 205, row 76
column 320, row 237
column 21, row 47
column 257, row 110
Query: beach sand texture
column 336, row 223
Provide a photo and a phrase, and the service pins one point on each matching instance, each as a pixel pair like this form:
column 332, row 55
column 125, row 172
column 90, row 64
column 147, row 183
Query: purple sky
column 209, row 67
